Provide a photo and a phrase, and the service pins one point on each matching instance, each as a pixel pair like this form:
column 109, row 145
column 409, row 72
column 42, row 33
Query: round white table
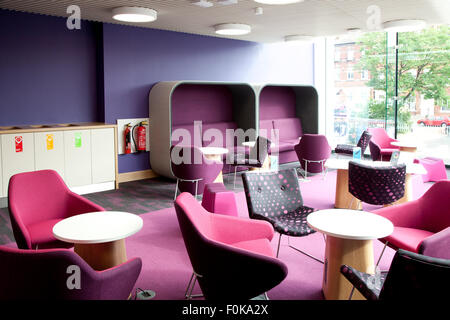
column 99, row 237
column 349, row 241
column 215, row 154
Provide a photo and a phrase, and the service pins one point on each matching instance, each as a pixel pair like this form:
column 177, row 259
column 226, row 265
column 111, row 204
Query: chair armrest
column 117, row 283
column 77, row 204
column 437, row 245
column 231, row 229
column 405, row 215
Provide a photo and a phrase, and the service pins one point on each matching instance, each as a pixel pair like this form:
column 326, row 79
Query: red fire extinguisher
column 127, row 138
column 141, row 144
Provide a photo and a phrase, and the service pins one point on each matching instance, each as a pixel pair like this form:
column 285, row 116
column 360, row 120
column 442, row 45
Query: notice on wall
column 19, row 143
column 77, row 139
column 49, row 141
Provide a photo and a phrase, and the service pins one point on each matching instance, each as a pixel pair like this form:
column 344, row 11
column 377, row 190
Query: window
column 350, row 74
column 337, row 55
column 350, row 55
column 364, row 75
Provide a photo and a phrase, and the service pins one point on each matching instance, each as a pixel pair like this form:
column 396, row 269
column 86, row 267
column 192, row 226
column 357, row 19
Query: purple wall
column 211, row 104
column 136, row 58
column 47, row 72
column 276, row 102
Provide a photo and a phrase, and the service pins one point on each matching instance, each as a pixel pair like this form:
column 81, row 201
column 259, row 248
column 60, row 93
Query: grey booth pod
column 243, row 112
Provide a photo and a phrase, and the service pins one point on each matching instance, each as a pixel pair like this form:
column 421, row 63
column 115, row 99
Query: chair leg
column 381, row 254
column 196, row 188
column 351, row 202
column 306, row 254
column 234, row 182
column 351, row 293
column 176, row 191
column 190, row 288
column 279, row 241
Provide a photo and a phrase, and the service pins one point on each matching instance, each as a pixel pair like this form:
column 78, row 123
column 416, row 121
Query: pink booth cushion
column 195, row 135
column 266, row 129
column 288, row 129
column 217, row 199
column 208, row 138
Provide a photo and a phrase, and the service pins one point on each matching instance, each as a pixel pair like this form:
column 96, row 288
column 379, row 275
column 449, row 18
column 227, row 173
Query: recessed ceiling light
column 134, row 14
column 278, row 1
column 354, row 30
column 404, row 25
column 232, row 29
column 298, row 38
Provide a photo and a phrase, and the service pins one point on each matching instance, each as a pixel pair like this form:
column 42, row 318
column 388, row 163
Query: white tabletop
column 404, row 144
column 97, row 227
column 350, row 224
column 213, row 150
column 252, row 143
column 342, row 164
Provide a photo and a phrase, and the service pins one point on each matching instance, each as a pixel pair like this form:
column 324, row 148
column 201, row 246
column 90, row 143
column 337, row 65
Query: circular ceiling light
column 298, row 38
column 232, row 29
column 134, row 14
column 278, row 1
column 403, row 25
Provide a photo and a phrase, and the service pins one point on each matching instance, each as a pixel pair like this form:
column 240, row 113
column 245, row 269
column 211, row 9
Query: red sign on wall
column 19, row 143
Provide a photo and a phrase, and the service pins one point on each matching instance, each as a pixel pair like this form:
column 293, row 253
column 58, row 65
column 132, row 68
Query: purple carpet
column 167, row 270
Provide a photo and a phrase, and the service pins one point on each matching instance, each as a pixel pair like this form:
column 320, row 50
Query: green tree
column 424, row 67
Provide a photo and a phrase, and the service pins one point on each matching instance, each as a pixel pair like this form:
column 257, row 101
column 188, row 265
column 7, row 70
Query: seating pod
column 202, row 111
column 286, row 112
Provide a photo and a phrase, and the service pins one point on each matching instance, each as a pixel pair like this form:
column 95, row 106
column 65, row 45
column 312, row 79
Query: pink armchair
column 423, row 225
column 380, row 144
column 230, row 256
column 37, row 201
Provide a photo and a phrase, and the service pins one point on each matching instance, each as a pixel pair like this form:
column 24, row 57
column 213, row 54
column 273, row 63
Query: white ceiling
column 311, row 17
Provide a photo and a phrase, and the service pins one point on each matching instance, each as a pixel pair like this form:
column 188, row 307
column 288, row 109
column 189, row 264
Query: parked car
column 434, row 121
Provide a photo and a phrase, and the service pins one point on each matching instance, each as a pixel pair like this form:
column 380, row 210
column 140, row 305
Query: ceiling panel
column 311, row 17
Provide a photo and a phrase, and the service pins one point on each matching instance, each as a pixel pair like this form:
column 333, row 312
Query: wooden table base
column 101, row 256
column 343, row 197
column 355, row 253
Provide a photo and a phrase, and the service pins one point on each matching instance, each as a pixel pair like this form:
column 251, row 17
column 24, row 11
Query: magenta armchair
column 45, row 275
column 422, row 225
column 231, row 257
column 380, row 144
column 37, row 201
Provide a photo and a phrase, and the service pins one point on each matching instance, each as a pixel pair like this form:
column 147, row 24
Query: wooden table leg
column 355, row 253
column 101, row 256
column 343, row 197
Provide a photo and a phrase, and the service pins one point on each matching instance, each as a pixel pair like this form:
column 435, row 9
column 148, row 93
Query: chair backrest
column 211, row 257
column 49, row 274
column 380, row 137
column 313, row 147
column 260, row 150
column 37, row 196
column 364, row 141
column 413, row 276
column 375, row 151
column 188, row 162
column 376, row 185
column 271, row 194
column 435, row 207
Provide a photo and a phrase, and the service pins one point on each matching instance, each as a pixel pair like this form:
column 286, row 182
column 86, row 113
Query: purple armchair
column 380, row 144
column 312, row 152
column 37, row 201
column 422, row 225
column 230, row 256
column 192, row 169
column 50, row 274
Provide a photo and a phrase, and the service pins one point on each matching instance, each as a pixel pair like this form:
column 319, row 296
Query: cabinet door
column 17, row 155
column 77, row 157
column 49, row 151
column 103, row 155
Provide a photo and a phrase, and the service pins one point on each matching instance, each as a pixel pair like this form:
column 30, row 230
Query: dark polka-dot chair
column 377, row 185
column 411, row 276
column 347, row 149
column 276, row 198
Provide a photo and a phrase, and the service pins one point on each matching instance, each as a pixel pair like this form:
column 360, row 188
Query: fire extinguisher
column 141, row 144
column 127, row 138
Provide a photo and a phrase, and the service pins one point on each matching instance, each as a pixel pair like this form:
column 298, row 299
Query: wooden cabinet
column 77, row 157
column 49, row 151
column 17, row 156
column 103, row 155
